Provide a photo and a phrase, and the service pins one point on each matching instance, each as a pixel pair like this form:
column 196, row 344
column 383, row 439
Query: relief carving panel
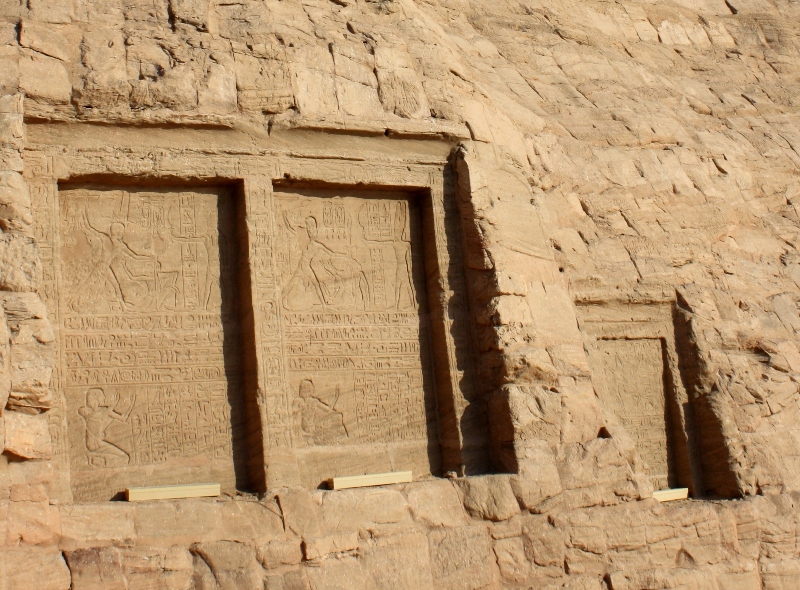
column 633, row 372
column 354, row 327
column 150, row 338
column 322, row 365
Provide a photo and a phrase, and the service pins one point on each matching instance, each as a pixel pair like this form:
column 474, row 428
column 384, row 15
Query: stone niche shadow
column 463, row 416
column 704, row 421
column 156, row 337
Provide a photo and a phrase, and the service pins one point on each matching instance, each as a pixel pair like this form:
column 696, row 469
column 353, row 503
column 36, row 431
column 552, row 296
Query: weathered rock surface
column 605, row 274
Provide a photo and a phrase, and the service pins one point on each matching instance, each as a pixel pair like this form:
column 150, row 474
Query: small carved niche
column 151, row 354
column 352, row 323
column 636, row 370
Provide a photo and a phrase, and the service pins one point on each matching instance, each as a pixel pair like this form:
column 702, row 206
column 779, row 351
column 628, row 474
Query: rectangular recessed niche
column 636, row 371
column 358, row 392
column 409, row 398
column 151, row 341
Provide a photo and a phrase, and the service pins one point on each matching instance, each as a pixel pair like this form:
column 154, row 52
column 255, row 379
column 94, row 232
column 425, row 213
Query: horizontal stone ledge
column 198, row 490
column 373, row 479
column 427, row 129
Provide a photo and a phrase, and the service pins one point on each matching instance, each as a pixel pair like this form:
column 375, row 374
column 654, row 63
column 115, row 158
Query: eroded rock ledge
column 464, row 533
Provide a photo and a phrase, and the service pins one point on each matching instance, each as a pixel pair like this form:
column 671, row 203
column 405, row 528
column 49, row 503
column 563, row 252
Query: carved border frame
column 256, row 171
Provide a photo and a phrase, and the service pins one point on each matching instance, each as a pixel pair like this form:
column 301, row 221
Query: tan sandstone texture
column 543, row 254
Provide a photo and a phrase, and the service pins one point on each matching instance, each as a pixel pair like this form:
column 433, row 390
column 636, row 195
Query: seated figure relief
column 324, row 278
column 142, row 256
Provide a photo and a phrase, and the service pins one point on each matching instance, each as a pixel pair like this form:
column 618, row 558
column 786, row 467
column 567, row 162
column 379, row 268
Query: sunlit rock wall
column 626, row 181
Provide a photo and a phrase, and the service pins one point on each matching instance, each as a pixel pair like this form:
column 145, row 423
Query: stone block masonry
column 542, row 254
column 388, row 538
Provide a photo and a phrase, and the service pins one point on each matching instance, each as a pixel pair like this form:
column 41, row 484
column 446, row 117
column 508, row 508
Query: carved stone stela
column 150, row 337
column 633, row 371
column 355, row 333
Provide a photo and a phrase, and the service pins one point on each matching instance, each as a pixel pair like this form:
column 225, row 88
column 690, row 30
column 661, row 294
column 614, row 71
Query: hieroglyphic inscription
column 634, row 376
column 150, row 341
column 355, row 342
column 266, row 311
column 44, row 207
column 276, row 394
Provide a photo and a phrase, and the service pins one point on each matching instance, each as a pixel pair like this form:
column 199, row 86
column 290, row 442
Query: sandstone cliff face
column 625, row 182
